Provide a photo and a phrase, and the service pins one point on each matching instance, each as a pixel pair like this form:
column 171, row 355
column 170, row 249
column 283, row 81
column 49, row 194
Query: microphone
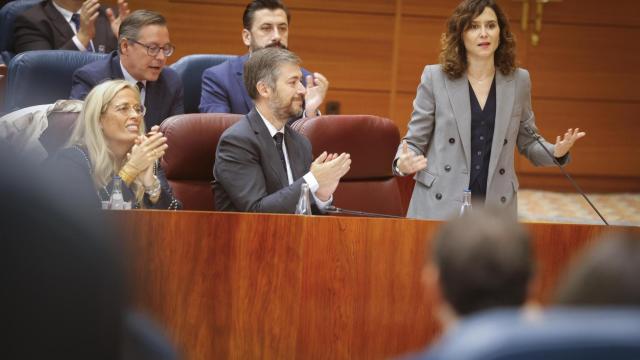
column 566, row 174
column 336, row 210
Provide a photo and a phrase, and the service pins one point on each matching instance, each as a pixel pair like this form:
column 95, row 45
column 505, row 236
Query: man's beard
column 278, row 45
column 255, row 47
column 286, row 111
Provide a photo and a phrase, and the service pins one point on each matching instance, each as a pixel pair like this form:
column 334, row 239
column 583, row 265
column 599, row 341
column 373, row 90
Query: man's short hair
column 484, row 261
column 606, row 275
column 264, row 65
column 255, row 5
column 131, row 25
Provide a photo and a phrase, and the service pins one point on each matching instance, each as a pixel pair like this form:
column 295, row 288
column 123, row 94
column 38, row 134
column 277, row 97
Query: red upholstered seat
column 188, row 162
column 372, row 142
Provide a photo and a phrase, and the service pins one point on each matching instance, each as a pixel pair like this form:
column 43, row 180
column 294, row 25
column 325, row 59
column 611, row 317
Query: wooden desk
column 247, row 286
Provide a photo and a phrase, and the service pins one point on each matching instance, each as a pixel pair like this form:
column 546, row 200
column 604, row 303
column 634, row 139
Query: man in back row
column 261, row 162
column 144, row 46
column 266, row 24
column 69, row 25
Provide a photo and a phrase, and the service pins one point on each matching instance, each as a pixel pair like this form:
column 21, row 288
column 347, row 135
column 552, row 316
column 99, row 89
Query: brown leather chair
column 188, row 162
column 372, row 142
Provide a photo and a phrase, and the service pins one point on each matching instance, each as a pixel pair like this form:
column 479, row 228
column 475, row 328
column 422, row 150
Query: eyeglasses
column 154, row 50
column 125, row 109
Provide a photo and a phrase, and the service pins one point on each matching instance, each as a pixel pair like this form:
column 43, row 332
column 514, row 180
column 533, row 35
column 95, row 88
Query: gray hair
column 131, row 25
column 264, row 65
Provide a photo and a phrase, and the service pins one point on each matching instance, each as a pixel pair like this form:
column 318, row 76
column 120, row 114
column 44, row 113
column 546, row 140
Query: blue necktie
column 279, row 137
column 75, row 19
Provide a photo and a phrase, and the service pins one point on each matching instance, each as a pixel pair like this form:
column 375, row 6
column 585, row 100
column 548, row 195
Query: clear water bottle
column 116, row 201
column 466, row 202
column 304, row 205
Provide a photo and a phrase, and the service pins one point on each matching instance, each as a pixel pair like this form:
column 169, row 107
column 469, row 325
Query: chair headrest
column 372, row 141
column 43, row 76
column 190, row 69
column 192, row 140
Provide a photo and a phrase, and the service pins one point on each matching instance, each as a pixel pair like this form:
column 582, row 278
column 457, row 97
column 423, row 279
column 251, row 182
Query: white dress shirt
column 130, row 79
column 309, row 178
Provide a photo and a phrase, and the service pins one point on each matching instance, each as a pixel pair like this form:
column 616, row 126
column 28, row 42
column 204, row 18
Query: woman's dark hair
column 453, row 55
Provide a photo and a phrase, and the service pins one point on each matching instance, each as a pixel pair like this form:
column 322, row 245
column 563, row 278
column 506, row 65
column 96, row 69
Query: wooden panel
column 352, row 50
column 577, row 62
column 403, row 108
column 419, row 45
column 593, row 12
column 359, row 102
column 606, row 150
column 361, row 6
column 270, row 286
column 194, row 32
column 238, row 286
column 444, row 8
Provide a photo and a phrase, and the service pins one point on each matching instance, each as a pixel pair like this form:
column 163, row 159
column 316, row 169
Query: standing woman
column 469, row 113
column 108, row 140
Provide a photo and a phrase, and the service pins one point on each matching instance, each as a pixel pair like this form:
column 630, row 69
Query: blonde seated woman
column 108, row 140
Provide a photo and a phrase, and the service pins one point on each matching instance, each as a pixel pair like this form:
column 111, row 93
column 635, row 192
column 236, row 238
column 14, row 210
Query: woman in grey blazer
column 469, row 113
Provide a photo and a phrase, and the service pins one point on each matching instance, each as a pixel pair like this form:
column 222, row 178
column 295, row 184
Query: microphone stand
column 336, row 210
column 566, row 174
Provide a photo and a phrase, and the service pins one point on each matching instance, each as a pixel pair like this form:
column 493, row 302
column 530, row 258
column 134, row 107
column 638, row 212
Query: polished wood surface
column 244, row 286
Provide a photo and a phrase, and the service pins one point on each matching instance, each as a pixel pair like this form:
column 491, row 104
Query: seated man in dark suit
column 261, row 162
column 266, row 24
column 143, row 50
column 68, row 25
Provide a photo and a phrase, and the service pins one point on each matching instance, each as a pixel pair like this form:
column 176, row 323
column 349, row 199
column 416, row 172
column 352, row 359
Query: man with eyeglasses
column 143, row 49
column 266, row 24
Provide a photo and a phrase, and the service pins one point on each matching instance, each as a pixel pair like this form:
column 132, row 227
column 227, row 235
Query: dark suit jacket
column 71, row 167
column 248, row 172
column 223, row 89
column 164, row 97
column 42, row 27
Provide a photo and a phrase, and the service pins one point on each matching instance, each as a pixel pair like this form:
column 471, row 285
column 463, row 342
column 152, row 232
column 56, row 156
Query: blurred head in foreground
column 607, row 274
column 479, row 261
column 63, row 290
